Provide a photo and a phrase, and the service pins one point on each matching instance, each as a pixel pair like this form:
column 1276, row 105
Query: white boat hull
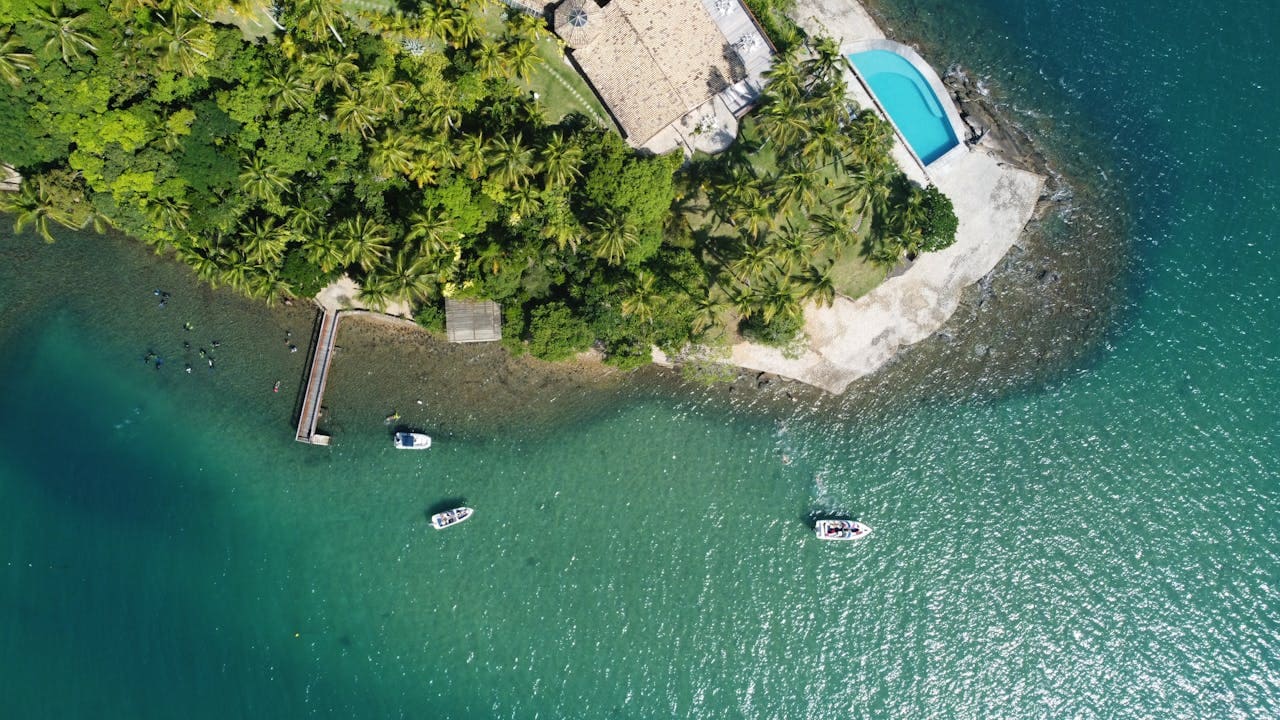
column 449, row 518
column 412, row 441
column 841, row 530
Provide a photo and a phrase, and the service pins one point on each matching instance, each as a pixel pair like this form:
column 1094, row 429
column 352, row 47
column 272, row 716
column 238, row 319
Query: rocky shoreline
column 1041, row 310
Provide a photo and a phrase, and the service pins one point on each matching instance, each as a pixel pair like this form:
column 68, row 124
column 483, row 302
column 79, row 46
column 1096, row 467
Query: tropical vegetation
column 403, row 150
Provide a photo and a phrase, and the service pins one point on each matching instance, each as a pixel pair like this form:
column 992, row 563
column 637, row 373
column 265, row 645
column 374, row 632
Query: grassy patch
column 561, row 90
column 854, row 275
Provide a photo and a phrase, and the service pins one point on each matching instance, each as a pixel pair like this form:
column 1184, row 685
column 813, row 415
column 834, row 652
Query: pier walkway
column 313, row 396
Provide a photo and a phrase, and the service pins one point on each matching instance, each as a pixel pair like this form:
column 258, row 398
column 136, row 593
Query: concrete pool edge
column 940, row 93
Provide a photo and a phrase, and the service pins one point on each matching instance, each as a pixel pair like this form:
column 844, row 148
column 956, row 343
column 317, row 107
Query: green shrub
column 513, row 326
column 781, row 332
column 938, row 220
column 555, row 333
column 430, row 316
column 304, row 278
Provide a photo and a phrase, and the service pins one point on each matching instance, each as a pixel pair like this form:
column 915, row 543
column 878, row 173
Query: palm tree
column 644, row 298
column 472, row 155
column 383, row 92
column 829, row 229
column 287, row 88
column 32, row 206
column 559, row 224
column 614, row 237
column 903, row 225
column 375, row 292
column 798, row 186
column 393, row 154
column 263, row 241
column 435, row 21
column 885, row 252
column 824, row 141
column 433, row 231
column 169, row 213
column 406, row 279
column 487, row 56
column 779, row 299
column 352, row 115
column 125, row 10
column 331, row 68
column 521, row 57
column 818, row 284
column 199, row 261
column 870, row 137
column 754, row 215
column 708, row 309
column 825, row 62
column 439, row 151
column 525, row 201
column 182, row 45
column 444, row 113
column 326, row 250
column 867, row 191
column 783, row 121
column 752, row 264
column 65, row 30
column 784, row 77
column 423, row 171
column 527, row 27
column 560, row 160
column 492, row 257
column 364, row 241
column 199, row 8
column 512, row 161
column 461, row 27
column 261, row 180
column 305, row 217
column 268, row 286
column 744, row 301
column 791, row 249
column 233, row 272
column 740, row 186
column 321, row 17
column 12, row 59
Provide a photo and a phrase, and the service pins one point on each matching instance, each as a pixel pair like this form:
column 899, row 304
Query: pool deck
column 993, row 202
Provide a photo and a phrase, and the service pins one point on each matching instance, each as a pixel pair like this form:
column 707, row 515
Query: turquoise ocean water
column 1101, row 543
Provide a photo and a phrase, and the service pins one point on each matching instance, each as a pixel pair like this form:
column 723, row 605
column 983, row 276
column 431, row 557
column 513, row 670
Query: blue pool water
column 907, row 97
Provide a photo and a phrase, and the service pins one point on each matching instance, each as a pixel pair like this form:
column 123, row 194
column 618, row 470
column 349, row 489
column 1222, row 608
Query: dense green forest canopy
column 399, row 149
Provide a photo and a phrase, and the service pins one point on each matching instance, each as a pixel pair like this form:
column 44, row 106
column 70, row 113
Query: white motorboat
column 412, row 441
column 841, row 530
column 449, row 518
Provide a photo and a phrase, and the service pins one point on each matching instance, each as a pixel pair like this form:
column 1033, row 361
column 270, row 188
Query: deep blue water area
column 1103, row 544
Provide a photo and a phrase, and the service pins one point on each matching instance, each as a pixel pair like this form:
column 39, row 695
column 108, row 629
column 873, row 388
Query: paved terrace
column 993, row 202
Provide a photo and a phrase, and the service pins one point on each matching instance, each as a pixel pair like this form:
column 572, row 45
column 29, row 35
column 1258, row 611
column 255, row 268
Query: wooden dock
column 313, row 397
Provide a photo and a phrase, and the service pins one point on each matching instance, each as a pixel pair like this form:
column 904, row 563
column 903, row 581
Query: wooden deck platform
column 313, row 397
column 468, row 321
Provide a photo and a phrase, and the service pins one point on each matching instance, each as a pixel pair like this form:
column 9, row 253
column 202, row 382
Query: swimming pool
column 905, row 94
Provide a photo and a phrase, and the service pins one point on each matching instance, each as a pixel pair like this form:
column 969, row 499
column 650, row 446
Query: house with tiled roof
column 672, row 73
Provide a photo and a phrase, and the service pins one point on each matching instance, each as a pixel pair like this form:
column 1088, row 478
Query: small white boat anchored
column 412, row 441
column 449, row 518
column 841, row 530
